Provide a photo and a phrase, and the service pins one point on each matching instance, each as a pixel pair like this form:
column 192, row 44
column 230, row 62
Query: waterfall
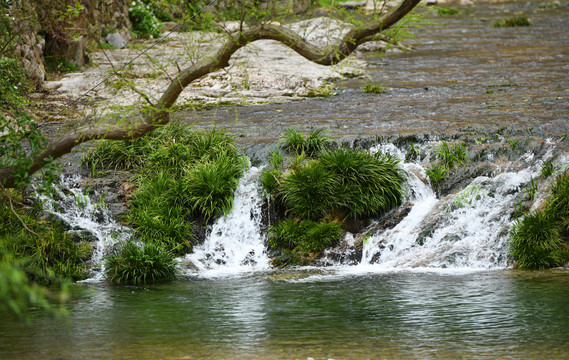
column 73, row 207
column 465, row 230
column 468, row 229
column 235, row 243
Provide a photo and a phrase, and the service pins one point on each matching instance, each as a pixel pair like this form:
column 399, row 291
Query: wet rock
column 348, row 252
column 82, row 236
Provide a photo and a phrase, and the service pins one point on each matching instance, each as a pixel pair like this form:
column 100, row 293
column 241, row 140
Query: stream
column 436, row 285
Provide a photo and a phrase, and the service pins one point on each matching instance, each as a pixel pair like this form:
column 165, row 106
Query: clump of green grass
column 467, row 196
column 447, row 157
column 451, row 155
column 209, row 186
column 368, row 184
column 131, row 264
column 537, row 241
column 446, row 12
column 332, row 186
column 184, row 177
column 373, row 87
column 437, row 173
column 106, row 46
column 547, row 169
column 513, row 22
column 301, row 239
column 48, row 254
column 309, row 191
column 311, row 145
column 158, row 216
column 305, row 236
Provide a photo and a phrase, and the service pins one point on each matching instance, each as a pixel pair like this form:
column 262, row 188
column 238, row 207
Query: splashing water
column 73, row 207
column 235, row 243
column 465, row 230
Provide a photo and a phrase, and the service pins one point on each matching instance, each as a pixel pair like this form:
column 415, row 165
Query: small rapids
column 235, row 242
column 71, row 205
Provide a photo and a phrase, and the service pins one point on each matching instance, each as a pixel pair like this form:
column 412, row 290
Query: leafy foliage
column 309, row 191
column 131, row 264
column 304, row 236
column 368, row 184
column 446, row 11
column 184, row 176
column 374, row 88
column 538, row 241
column 547, row 169
column 144, row 22
column 513, row 22
column 451, row 155
column 209, row 186
column 311, row 145
column 157, row 215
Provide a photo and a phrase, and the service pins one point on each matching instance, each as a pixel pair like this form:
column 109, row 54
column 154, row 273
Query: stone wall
column 35, row 42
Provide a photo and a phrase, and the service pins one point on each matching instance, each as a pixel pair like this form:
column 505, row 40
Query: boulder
column 116, row 40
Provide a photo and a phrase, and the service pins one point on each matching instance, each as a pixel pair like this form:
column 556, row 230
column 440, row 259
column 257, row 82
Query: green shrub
column 131, row 264
column 144, row 23
column 14, row 84
column 445, row 12
column 276, row 159
column 48, row 255
column 184, row 175
column 558, row 201
column 367, row 184
column 437, row 173
column 207, row 145
column 158, row 215
column 304, row 236
column 270, row 181
column 210, row 186
column 535, row 242
column 118, row 154
column 311, row 145
column 513, row 22
column 310, row 190
column 59, row 66
column 374, row 88
column 17, row 294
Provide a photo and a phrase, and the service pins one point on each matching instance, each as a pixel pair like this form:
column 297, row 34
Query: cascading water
column 465, row 230
column 73, row 207
column 235, row 242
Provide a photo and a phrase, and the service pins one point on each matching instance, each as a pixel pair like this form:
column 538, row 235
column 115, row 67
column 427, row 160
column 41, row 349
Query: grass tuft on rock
column 540, row 239
column 184, row 177
column 513, row 22
column 131, row 264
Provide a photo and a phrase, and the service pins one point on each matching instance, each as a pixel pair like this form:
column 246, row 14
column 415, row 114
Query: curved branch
column 160, row 114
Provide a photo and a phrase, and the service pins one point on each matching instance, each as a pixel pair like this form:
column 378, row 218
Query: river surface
column 464, row 75
column 310, row 313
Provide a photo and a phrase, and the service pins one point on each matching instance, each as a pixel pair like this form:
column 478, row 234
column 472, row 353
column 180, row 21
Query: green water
column 286, row 315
